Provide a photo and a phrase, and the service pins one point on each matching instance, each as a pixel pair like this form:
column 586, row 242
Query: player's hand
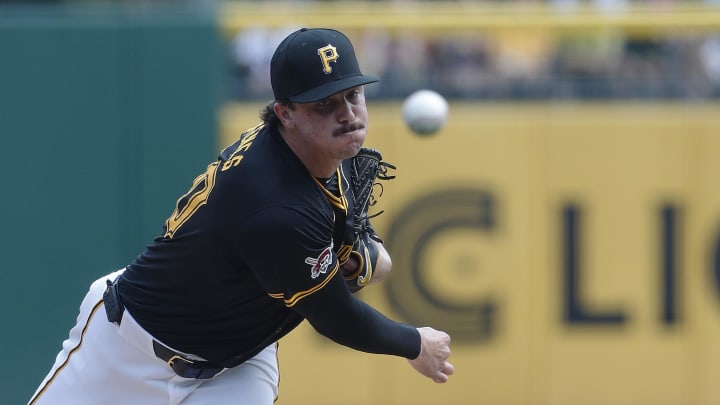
column 434, row 352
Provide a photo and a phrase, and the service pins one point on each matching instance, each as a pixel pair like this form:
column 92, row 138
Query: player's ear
column 282, row 111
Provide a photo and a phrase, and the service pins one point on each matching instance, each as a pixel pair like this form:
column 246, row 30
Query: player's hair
column 267, row 114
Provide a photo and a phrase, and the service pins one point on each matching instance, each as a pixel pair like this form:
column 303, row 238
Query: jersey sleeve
column 290, row 251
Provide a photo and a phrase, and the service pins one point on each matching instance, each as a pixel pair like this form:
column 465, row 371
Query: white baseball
column 425, row 112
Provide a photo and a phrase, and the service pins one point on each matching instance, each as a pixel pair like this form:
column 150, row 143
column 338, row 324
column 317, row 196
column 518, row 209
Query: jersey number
column 190, row 202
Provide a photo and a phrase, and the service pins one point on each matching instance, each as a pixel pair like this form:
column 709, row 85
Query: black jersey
column 254, row 237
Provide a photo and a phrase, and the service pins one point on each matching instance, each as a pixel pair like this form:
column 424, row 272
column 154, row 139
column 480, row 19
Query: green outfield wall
column 106, row 116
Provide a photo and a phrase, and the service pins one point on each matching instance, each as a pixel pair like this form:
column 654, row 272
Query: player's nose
column 345, row 111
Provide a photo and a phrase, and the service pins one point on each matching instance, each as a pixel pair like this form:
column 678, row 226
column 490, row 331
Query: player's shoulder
column 243, row 143
column 259, row 170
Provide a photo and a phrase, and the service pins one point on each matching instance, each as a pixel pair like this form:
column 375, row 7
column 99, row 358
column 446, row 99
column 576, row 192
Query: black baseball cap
column 314, row 63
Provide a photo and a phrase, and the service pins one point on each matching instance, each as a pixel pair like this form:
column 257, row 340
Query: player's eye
column 324, row 106
column 353, row 95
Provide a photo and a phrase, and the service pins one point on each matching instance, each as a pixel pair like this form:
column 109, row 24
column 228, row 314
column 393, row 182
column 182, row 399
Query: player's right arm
column 291, row 254
column 338, row 315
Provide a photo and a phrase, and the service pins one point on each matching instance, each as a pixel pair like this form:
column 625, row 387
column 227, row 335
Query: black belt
column 182, row 366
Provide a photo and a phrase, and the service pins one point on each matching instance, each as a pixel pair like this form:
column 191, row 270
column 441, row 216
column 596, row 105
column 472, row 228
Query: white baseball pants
column 103, row 363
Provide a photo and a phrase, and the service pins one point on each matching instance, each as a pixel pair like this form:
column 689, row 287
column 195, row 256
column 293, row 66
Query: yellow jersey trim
column 302, row 294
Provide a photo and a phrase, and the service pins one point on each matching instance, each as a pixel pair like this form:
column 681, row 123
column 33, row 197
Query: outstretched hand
column 434, row 352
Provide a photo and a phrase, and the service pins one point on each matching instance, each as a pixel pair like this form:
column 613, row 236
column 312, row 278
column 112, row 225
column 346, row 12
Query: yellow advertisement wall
column 569, row 249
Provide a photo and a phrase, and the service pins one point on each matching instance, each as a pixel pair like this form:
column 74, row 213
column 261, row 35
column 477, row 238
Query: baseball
column 425, row 112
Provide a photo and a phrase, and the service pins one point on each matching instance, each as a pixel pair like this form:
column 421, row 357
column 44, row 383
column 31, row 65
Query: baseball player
column 260, row 242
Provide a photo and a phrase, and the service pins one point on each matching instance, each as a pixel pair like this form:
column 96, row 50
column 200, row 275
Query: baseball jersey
column 248, row 253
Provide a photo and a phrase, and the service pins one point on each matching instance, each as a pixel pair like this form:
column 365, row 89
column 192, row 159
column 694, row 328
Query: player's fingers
column 440, row 379
column 448, row 368
column 443, row 374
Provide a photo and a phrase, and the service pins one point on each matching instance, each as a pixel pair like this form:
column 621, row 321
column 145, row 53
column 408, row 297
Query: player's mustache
column 348, row 128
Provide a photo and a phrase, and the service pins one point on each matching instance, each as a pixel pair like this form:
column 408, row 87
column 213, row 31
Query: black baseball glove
column 366, row 168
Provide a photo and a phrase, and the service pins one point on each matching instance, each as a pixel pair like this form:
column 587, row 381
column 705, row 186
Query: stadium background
column 563, row 227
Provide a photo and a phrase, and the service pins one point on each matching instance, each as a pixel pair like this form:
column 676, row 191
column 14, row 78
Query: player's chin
column 351, row 150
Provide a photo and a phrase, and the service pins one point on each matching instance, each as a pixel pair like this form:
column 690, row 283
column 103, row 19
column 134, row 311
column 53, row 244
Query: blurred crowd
column 503, row 64
column 599, row 64
column 604, row 65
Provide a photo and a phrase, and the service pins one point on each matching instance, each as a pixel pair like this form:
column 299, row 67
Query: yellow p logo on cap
column 328, row 54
